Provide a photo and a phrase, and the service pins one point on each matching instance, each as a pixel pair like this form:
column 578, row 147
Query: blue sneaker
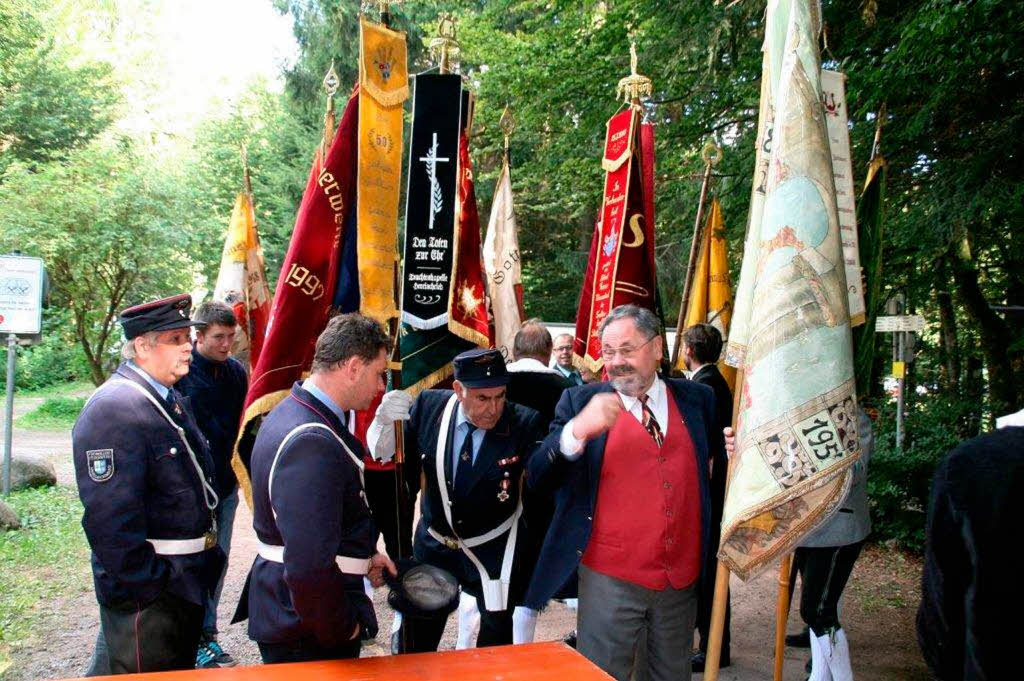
column 211, row 656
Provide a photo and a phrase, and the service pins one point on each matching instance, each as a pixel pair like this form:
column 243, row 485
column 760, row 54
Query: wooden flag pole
column 711, row 155
column 782, row 613
column 717, row 625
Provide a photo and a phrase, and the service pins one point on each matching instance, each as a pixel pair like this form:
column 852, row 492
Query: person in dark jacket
column 304, row 596
column 471, row 446
column 627, row 461
column 971, row 591
column 146, row 480
column 215, row 386
column 702, row 346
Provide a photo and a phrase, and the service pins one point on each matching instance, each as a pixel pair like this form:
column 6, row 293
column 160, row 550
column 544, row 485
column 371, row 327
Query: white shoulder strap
column 209, row 494
column 292, row 433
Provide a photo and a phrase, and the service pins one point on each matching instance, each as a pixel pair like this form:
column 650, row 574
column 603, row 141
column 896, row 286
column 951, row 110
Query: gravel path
column 878, row 610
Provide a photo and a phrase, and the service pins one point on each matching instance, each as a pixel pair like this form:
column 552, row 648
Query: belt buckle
column 211, row 540
column 450, row 543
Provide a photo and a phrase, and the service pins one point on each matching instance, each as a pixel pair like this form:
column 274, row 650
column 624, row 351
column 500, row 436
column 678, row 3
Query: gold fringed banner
column 383, row 87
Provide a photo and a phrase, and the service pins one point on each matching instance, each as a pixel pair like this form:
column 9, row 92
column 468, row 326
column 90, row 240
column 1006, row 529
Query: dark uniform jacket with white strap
column 318, row 514
column 502, row 456
column 137, row 481
column 574, row 484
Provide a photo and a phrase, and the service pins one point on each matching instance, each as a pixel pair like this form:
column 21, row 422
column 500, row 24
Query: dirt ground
column 877, row 611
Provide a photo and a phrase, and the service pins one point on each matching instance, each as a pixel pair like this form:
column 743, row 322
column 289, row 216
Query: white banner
column 502, row 266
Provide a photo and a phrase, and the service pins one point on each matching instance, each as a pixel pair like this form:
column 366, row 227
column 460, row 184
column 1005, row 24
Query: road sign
column 21, row 294
column 914, row 322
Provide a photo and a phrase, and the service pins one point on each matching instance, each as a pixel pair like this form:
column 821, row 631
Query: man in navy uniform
column 702, row 346
column 146, row 481
column 304, row 597
column 471, row 447
column 627, row 461
column 215, row 386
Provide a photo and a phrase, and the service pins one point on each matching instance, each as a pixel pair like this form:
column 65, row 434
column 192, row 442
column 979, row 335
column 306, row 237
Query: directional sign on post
column 21, row 295
column 896, row 323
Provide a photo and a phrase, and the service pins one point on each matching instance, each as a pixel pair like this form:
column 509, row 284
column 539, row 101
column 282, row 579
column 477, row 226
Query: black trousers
column 380, row 496
column 163, row 636
column 424, row 634
column 824, row 572
column 306, row 651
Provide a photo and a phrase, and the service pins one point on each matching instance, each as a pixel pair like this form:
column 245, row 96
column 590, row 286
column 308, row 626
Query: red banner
column 467, row 312
column 621, row 265
column 305, row 287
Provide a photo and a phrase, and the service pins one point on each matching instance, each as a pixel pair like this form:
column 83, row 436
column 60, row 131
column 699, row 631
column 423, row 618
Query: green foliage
column 55, row 360
column 55, row 413
column 899, row 482
column 107, row 224
column 50, row 101
column 46, row 558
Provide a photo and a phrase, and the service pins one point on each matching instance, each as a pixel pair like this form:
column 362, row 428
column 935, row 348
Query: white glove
column 380, row 436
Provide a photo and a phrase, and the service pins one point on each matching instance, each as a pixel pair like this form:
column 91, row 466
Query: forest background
column 126, row 204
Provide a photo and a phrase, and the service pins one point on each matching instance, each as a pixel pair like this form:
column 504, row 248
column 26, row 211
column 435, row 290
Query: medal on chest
column 503, row 494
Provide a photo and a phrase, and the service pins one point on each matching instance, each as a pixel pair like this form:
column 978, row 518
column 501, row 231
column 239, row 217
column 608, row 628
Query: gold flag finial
column 331, row 84
column 331, row 81
column 445, row 47
column 634, row 86
column 507, row 124
column 711, row 154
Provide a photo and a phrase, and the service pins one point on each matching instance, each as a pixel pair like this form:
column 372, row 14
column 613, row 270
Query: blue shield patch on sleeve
column 100, row 463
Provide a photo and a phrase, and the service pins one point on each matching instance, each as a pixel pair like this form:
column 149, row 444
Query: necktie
column 465, row 463
column 649, row 422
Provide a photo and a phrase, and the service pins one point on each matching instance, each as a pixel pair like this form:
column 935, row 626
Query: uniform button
column 578, row 552
column 668, row 485
column 590, row 518
column 661, row 459
column 174, row 450
column 668, row 512
column 669, row 541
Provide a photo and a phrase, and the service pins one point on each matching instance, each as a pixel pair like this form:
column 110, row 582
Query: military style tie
column 465, row 463
column 650, row 423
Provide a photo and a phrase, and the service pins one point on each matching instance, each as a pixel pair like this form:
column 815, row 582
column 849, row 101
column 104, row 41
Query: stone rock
column 8, row 518
column 31, row 471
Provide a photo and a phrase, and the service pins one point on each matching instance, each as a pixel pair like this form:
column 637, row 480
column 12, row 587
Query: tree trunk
column 993, row 332
column 947, row 330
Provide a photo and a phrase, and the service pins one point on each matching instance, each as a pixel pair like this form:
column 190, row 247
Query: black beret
column 481, row 369
column 159, row 315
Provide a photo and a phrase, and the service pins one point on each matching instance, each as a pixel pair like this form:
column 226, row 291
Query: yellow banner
column 383, row 87
column 711, row 292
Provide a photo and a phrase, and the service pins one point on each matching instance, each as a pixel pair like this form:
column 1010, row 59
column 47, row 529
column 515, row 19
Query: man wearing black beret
column 146, row 481
column 471, row 447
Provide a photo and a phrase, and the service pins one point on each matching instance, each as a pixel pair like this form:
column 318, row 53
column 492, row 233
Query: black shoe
column 801, row 640
column 570, row 640
column 699, row 659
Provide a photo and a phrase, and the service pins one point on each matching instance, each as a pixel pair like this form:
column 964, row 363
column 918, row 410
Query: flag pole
column 717, row 626
column 711, row 155
column 782, row 613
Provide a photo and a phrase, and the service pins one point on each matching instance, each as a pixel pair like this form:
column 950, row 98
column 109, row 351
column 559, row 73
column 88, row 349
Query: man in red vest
column 627, row 461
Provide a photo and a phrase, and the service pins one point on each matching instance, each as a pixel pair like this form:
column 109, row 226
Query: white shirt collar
column 529, row 364
column 657, row 401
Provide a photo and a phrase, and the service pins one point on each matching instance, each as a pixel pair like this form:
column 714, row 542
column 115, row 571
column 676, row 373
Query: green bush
column 899, row 482
column 56, row 359
column 55, row 413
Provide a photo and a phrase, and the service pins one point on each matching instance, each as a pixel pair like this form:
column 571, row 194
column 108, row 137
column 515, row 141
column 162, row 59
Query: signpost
column 21, row 314
column 900, row 325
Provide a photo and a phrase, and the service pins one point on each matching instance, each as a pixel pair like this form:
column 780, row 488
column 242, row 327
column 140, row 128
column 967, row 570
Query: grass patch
column 58, row 390
column 55, row 413
column 46, row 558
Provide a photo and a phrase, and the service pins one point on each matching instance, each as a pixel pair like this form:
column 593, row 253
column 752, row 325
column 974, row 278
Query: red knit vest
column 647, row 524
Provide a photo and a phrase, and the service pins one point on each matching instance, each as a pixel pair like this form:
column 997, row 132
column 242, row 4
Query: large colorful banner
column 306, row 285
column 621, row 265
column 242, row 281
column 711, row 293
column 431, row 200
column 502, row 265
column 870, row 218
column 383, row 87
column 797, row 423
column 833, row 100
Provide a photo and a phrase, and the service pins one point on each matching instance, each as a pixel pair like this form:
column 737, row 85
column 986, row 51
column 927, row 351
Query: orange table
column 534, row 662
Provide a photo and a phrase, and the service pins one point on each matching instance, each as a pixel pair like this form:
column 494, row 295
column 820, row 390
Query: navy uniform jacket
column 574, row 483
column 137, row 481
column 321, row 513
column 504, row 449
column 216, row 393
